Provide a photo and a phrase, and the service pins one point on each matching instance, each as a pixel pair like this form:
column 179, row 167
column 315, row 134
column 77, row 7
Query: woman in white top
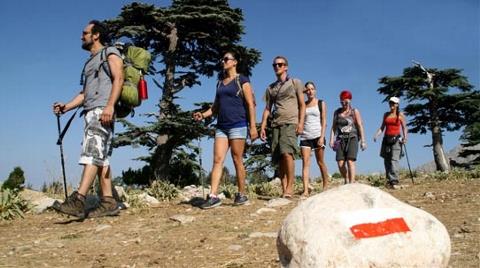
column 313, row 136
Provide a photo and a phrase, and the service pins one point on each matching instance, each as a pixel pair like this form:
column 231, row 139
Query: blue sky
column 337, row 44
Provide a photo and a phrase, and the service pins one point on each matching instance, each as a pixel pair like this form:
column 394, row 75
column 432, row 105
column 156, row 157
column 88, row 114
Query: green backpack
column 136, row 61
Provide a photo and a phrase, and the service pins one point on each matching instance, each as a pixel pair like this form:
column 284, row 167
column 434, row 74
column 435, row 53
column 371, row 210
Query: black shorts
column 313, row 143
column 348, row 149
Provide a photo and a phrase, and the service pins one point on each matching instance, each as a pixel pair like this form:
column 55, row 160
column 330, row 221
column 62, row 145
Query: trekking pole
column 60, row 143
column 201, row 168
column 408, row 162
column 61, row 134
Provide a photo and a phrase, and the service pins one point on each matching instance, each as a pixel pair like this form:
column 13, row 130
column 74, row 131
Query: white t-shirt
column 312, row 128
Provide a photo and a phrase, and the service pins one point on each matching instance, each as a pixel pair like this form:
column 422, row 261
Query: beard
column 87, row 45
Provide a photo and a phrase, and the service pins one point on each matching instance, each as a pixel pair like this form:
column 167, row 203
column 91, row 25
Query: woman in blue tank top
column 234, row 107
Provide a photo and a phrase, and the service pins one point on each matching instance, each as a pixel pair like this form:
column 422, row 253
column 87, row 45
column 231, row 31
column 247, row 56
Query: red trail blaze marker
column 374, row 222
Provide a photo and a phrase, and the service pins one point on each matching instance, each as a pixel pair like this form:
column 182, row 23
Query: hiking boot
column 108, row 207
column 74, row 205
column 240, row 199
column 393, row 185
column 212, row 201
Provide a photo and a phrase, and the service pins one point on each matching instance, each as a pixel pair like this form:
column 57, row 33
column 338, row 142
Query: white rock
column 234, row 247
column 40, row 201
column 429, row 195
column 260, row 234
column 122, row 194
column 361, row 226
column 40, row 205
column 277, row 202
column 192, row 191
column 183, row 219
column 149, row 200
column 102, row 227
column 265, row 210
column 275, row 181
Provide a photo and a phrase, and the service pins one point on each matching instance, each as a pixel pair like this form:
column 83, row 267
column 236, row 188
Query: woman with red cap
column 347, row 131
column 394, row 124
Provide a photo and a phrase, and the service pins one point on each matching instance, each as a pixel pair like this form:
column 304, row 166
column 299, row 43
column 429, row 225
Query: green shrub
column 228, row 190
column 375, row 180
column 337, row 175
column 15, row 180
column 134, row 200
column 163, row 190
column 250, row 191
column 55, row 188
column 12, row 205
column 268, row 189
column 437, row 175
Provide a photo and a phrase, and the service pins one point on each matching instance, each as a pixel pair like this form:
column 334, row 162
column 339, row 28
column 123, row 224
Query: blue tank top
column 232, row 111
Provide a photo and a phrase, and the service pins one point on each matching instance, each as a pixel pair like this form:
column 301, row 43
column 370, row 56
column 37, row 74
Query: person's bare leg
column 105, row 175
column 305, row 168
column 343, row 170
column 351, row 171
column 319, row 155
column 237, row 147
column 220, row 148
column 88, row 176
column 290, row 172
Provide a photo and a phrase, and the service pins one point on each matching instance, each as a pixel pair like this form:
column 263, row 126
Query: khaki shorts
column 284, row 141
column 97, row 140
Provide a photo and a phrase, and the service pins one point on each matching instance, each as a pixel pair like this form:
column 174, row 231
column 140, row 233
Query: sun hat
column 394, row 100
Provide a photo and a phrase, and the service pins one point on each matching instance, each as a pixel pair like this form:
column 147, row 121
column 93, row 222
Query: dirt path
column 222, row 237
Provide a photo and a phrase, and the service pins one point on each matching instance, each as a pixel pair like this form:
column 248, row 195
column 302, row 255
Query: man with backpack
column 100, row 93
column 285, row 104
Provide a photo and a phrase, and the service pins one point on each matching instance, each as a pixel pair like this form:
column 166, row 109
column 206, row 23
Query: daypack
column 136, row 61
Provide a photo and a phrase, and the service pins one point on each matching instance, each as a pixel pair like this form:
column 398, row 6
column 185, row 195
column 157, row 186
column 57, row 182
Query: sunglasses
column 279, row 65
column 226, row 59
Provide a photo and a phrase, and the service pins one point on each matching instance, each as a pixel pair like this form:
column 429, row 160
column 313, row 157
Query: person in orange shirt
column 394, row 125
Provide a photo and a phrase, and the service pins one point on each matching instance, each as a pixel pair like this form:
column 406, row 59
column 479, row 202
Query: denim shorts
column 232, row 133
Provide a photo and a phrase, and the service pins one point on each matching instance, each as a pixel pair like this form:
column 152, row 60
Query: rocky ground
column 180, row 235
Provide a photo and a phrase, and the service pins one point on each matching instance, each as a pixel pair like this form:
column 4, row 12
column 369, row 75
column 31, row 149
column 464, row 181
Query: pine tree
column 187, row 40
column 431, row 106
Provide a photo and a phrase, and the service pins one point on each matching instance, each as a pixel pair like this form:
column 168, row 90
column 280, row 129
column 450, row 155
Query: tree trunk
column 163, row 152
column 439, row 156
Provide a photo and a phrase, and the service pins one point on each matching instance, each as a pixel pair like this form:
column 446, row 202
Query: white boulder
column 356, row 225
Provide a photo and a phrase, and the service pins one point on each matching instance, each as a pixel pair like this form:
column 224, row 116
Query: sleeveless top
column 312, row 128
column 392, row 125
column 346, row 126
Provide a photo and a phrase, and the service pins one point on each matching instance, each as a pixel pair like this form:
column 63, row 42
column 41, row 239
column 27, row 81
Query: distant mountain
column 453, row 155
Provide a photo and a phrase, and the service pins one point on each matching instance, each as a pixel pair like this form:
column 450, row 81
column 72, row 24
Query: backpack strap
column 105, row 67
column 320, row 102
column 239, row 87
